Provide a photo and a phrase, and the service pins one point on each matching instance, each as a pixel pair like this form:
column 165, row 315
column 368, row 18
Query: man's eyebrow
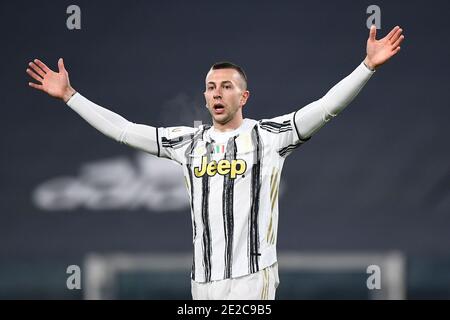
column 223, row 82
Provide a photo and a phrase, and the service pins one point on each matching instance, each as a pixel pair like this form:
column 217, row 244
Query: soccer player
column 232, row 169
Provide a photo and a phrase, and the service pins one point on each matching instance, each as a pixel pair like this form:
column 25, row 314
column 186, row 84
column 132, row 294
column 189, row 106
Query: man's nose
column 217, row 94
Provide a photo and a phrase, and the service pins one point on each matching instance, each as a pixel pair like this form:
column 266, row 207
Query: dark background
column 376, row 178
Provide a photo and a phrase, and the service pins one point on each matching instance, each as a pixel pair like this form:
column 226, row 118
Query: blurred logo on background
column 147, row 182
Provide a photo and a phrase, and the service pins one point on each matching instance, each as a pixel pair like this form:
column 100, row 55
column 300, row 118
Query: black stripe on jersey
column 157, row 139
column 276, row 124
column 194, row 231
column 227, row 209
column 287, row 150
column 187, row 153
column 207, row 250
column 298, row 132
column 254, row 210
column 276, row 127
column 191, row 184
column 177, row 142
column 280, row 130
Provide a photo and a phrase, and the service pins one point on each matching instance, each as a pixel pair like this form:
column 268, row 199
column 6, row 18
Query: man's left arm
column 312, row 117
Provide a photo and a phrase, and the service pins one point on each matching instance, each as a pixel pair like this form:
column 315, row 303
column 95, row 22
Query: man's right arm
column 139, row 136
column 57, row 84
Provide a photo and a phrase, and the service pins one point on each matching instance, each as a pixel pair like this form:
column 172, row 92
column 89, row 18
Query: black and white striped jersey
column 233, row 180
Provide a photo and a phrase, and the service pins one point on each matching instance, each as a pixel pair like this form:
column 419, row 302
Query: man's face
column 225, row 94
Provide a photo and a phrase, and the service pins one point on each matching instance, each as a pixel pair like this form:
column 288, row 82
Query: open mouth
column 219, row 108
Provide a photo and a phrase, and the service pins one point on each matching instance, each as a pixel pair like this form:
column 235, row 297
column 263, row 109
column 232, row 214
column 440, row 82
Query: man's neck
column 229, row 126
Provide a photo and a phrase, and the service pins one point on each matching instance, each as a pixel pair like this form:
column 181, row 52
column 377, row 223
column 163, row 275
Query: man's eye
column 227, row 87
column 210, row 88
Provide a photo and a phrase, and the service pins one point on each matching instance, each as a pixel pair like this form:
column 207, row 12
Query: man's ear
column 245, row 96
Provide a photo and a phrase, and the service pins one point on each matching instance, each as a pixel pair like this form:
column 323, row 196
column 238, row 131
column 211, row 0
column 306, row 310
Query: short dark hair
column 230, row 65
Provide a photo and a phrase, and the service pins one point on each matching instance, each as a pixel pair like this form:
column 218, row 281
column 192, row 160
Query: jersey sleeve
column 113, row 125
column 173, row 142
column 292, row 130
column 170, row 142
column 283, row 133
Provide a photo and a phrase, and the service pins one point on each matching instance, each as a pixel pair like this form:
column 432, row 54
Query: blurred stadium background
column 373, row 186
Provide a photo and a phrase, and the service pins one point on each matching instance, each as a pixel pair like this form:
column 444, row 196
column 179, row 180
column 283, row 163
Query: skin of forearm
column 369, row 63
column 68, row 93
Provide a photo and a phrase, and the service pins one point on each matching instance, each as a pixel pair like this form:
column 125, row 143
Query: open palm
column 56, row 84
column 380, row 51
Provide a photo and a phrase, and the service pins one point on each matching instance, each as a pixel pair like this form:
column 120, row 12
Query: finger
column 34, row 75
column 399, row 40
column 37, row 69
column 396, row 35
column 42, row 65
column 36, row 86
column 61, row 65
column 390, row 34
column 373, row 32
column 395, row 51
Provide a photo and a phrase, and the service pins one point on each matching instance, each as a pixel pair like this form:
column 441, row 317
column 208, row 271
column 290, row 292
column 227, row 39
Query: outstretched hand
column 380, row 51
column 56, row 84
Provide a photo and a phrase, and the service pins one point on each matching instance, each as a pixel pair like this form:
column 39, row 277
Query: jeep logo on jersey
column 223, row 167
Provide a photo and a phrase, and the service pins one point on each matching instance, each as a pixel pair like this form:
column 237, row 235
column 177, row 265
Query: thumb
column 373, row 32
column 61, row 65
